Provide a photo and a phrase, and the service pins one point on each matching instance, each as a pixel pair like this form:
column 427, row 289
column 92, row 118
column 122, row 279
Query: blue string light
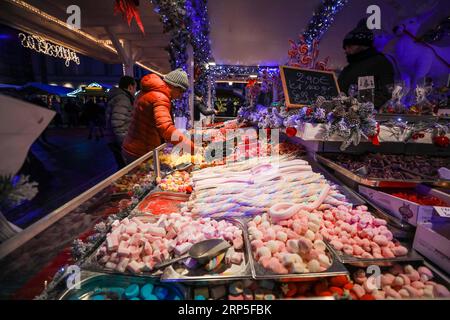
column 322, row 19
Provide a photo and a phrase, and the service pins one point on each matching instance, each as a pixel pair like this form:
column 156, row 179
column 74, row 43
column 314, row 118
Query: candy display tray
column 412, row 256
column 398, row 227
column 378, row 182
column 178, row 272
column 92, row 282
column 439, row 277
column 260, row 273
column 158, row 194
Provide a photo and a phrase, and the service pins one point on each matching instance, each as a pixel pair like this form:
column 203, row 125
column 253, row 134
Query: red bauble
column 309, row 111
column 291, row 132
column 441, row 141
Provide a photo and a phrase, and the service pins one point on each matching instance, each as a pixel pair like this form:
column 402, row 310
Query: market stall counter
column 31, row 258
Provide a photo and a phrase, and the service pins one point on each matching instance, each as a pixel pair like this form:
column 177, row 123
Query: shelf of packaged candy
column 30, row 259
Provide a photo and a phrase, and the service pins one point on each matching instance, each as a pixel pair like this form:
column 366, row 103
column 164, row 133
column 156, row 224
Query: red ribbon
column 374, row 138
column 251, row 83
column 129, row 10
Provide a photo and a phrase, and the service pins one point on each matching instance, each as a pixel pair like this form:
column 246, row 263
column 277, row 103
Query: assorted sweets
column 394, row 166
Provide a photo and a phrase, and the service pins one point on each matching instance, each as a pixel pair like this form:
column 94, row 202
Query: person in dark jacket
column 364, row 60
column 200, row 107
column 119, row 113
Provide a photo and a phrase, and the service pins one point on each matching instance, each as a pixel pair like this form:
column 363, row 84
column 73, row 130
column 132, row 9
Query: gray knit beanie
column 177, row 78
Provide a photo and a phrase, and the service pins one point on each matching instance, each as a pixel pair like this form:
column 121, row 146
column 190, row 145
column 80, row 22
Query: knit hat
column 361, row 35
column 177, row 78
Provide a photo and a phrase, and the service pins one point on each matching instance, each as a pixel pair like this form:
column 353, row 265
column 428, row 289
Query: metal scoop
column 202, row 251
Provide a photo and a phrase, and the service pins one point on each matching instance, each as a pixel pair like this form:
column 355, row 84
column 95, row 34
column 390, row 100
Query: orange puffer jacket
column 152, row 122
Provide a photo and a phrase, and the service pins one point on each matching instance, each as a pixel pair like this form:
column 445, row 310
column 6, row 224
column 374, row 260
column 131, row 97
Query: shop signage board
column 303, row 86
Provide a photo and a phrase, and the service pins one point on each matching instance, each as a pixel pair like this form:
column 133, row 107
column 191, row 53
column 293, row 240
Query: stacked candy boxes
column 137, row 245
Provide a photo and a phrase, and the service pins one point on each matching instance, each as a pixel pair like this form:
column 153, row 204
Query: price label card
column 365, row 83
column 443, row 211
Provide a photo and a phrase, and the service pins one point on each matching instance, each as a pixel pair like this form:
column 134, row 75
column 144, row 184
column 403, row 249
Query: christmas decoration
column 304, row 55
column 16, row 190
column 128, row 9
column 441, row 141
column 39, row 44
column 188, row 22
column 199, row 38
column 352, row 120
column 322, row 19
column 291, row 132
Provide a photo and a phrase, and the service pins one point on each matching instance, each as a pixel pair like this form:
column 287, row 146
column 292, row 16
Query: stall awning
column 41, row 88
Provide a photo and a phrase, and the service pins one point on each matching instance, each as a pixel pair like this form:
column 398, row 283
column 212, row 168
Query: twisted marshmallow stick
column 284, row 210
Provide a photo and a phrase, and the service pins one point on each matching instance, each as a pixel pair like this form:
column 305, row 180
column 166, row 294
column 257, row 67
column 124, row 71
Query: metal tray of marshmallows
column 178, row 271
column 260, row 273
column 397, row 227
column 411, row 256
column 379, row 182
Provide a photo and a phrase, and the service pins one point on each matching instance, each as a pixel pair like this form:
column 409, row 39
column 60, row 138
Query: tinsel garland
column 224, row 72
column 175, row 20
column 188, row 22
column 322, row 19
column 199, row 38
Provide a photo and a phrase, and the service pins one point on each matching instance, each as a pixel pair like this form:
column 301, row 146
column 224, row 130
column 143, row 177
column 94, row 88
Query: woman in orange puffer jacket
column 152, row 122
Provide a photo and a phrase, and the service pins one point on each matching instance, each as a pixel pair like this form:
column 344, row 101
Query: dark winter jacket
column 369, row 63
column 200, row 107
column 119, row 112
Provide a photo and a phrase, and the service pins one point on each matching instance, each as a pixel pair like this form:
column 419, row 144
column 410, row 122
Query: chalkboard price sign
column 303, row 86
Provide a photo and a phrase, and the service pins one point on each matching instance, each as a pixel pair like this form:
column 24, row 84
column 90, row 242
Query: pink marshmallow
column 135, row 267
column 110, row 265
column 256, row 244
column 338, row 245
column 380, row 240
column 112, row 242
column 387, row 253
column 304, row 245
column 237, row 258
column 156, row 231
column 400, row 251
column 182, row 248
column 238, row 243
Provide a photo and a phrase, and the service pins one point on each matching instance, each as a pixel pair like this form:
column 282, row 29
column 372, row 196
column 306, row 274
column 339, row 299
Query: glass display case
column 30, row 259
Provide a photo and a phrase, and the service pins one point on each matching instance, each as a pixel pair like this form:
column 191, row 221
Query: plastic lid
column 132, row 291
column 146, row 291
column 161, row 292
